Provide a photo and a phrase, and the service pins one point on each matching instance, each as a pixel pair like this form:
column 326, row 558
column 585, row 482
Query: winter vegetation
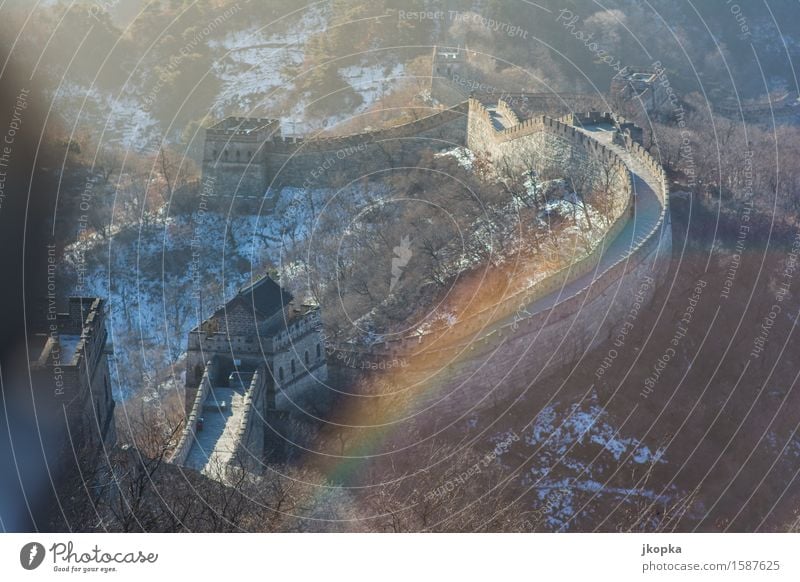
column 421, row 249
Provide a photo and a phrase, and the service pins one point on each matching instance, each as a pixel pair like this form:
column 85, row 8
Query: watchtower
column 643, row 85
column 234, row 157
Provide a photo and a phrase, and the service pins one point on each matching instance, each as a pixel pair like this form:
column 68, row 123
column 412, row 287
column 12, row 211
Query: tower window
column 319, row 351
column 292, row 365
column 280, row 373
column 306, row 357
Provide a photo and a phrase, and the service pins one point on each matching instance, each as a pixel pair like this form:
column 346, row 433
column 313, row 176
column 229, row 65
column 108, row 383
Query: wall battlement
column 248, row 161
column 241, row 126
column 575, row 322
column 540, row 142
column 72, row 362
column 260, row 335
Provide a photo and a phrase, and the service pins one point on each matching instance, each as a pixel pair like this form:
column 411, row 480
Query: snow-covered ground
column 115, row 119
column 256, row 69
column 157, row 280
column 252, row 64
column 464, row 156
column 162, row 279
column 577, row 450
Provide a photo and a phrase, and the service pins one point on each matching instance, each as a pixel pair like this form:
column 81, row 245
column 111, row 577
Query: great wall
column 528, row 335
column 568, row 313
column 259, row 159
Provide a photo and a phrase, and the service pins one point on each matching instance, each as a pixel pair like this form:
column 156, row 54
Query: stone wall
column 507, row 112
column 234, row 159
column 188, row 435
column 534, row 346
column 549, row 146
column 204, row 345
column 315, row 162
column 82, row 381
column 299, row 363
column 505, row 362
column 251, row 434
column 276, row 161
column 531, row 346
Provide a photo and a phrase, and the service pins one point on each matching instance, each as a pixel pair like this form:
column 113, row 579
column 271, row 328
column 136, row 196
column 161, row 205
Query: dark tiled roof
column 265, row 296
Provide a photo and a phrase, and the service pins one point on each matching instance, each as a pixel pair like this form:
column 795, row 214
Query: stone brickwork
column 299, row 355
column 549, row 146
column 73, row 365
column 251, row 434
column 535, row 344
column 234, row 156
column 198, row 398
column 281, row 346
column 247, row 164
column 504, row 360
column 643, row 86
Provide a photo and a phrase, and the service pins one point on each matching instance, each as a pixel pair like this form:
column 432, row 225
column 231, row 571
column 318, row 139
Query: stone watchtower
column 260, row 325
column 448, row 61
column 70, row 369
column 641, row 85
column 449, row 75
column 258, row 361
column 234, row 158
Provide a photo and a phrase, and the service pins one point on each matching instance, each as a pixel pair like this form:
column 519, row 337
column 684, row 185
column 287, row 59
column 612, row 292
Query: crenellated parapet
column 300, row 358
column 411, row 129
column 72, row 364
column 297, row 328
column 252, row 360
column 603, row 148
column 250, row 433
column 567, row 313
column 245, row 156
column 189, row 433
